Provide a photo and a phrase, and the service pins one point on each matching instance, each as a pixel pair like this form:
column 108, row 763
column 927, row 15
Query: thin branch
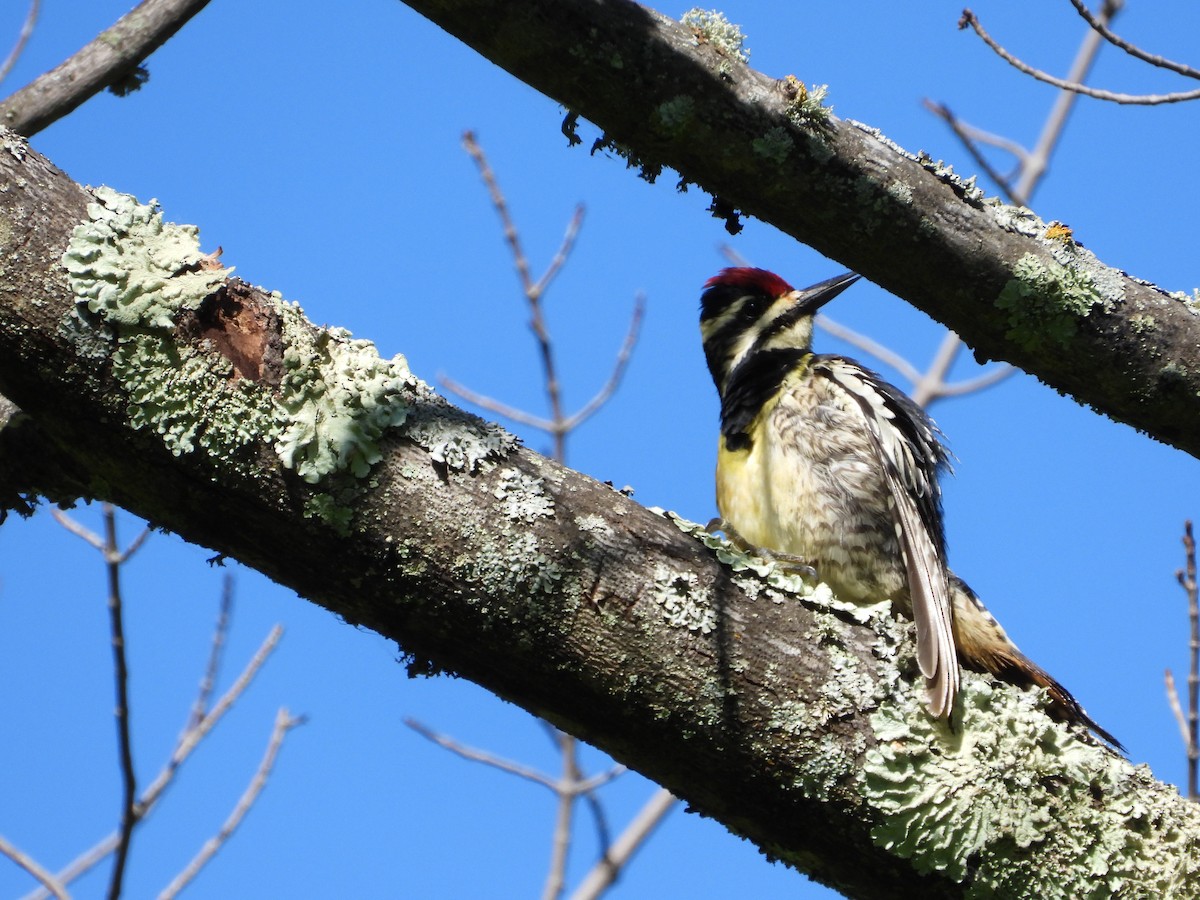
column 564, row 251
column 1187, row 580
column 1035, row 166
column 1176, row 707
column 78, row 529
column 114, row 559
column 183, row 749
column 605, row 872
column 1101, row 28
column 969, row 18
column 618, row 371
column 971, row 137
column 885, row 355
column 207, row 683
column 27, row 27
column 499, row 407
column 992, row 376
column 556, row 875
column 284, row 722
column 113, row 56
column 482, row 756
column 30, row 865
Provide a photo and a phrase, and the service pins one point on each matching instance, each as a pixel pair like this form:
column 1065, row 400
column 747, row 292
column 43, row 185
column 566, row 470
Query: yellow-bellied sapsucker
column 822, row 459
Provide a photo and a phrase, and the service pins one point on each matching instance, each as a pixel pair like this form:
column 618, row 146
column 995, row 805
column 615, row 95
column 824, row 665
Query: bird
column 824, row 463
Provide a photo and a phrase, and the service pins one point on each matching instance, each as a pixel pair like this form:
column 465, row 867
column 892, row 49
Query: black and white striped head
column 744, row 311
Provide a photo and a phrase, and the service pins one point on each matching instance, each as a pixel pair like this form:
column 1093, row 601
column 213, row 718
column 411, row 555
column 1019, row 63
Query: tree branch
column 114, row 55
column 984, row 269
column 791, row 718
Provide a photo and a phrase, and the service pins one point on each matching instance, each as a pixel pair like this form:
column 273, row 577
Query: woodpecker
column 821, row 460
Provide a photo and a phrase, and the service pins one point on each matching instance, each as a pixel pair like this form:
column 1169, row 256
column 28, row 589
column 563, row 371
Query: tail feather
column 984, row 647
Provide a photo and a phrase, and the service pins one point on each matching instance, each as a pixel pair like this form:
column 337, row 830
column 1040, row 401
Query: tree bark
column 148, row 377
column 1012, row 286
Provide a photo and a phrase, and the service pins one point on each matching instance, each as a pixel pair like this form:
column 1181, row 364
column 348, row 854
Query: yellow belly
column 795, row 490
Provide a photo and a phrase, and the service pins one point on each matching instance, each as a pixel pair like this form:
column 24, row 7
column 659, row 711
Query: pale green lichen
column 775, row 146
column 189, row 399
column 676, row 114
column 1018, row 806
column 683, row 602
column 1045, row 300
column 522, row 497
column 132, row 269
column 713, row 28
column 516, row 564
column 593, row 524
column 328, row 510
column 338, row 397
column 806, row 107
column 457, row 439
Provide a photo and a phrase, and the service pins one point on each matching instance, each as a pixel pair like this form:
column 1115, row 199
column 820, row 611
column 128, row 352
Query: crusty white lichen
column 128, row 266
column 456, row 439
column 522, row 497
column 1021, row 806
column 338, row 397
column 683, row 602
column 713, row 28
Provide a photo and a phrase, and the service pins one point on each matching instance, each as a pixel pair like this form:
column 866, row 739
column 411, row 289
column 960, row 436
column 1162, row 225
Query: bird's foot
column 790, row 563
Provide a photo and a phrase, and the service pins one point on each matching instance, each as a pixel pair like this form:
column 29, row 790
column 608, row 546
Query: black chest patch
column 755, row 381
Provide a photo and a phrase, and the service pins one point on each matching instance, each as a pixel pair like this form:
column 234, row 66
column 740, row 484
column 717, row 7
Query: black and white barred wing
column 911, row 456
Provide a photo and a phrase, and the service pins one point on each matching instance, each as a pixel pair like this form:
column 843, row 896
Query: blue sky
column 322, row 151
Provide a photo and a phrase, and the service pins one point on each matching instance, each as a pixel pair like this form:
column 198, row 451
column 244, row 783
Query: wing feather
column 911, row 455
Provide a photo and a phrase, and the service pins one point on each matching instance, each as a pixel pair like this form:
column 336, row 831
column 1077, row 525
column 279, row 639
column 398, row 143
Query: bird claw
column 788, row 562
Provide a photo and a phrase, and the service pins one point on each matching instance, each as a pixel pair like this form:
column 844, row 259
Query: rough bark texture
column 1012, row 288
column 788, row 717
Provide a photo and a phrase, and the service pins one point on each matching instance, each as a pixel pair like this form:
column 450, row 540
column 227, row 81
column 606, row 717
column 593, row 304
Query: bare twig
column 971, row 137
column 112, row 57
column 605, row 872
column 885, row 355
column 284, row 722
column 188, row 742
column 556, row 875
column 499, row 407
column 113, row 559
column 1191, row 726
column 1101, row 27
column 618, row 371
column 481, row 756
column 207, row 683
column 969, row 18
column 1034, row 167
column 533, row 289
column 22, row 39
column 1176, row 707
column 30, row 865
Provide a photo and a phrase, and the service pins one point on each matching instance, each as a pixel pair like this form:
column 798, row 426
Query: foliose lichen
column 454, row 438
column 1045, row 301
column 190, row 401
column 806, row 105
column 338, row 397
column 1009, row 799
column 132, row 269
column 713, row 28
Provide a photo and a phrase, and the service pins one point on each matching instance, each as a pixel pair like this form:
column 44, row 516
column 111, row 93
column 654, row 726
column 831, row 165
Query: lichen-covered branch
column 666, row 94
column 218, row 411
